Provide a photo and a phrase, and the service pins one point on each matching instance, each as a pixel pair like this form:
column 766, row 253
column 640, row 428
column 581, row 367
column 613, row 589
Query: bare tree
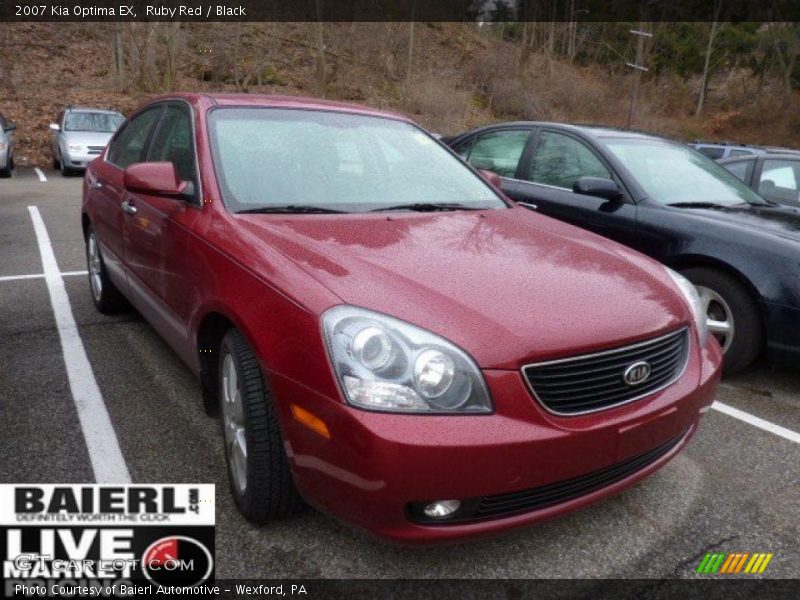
column 786, row 40
column 321, row 74
column 410, row 42
column 712, row 36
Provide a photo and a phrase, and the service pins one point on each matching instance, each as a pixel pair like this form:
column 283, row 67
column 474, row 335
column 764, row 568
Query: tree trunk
column 321, row 71
column 636, row 75
column 410, row 43
column 709, row 49
column 172, row 46
column 118, row 57
column 787, row 78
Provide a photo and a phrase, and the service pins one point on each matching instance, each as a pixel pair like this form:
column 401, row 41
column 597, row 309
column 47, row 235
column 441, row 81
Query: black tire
column 748, row 337
column 65, row 171
column 269, row 492
column 7, row 171
column 109, row 300
column 56, row 164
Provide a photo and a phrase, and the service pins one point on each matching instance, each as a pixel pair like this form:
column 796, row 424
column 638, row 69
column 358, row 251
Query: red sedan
column 385, row 335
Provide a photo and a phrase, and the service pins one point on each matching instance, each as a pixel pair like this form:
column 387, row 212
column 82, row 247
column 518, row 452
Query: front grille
column 96, row 149
column 594, row 382
column 503, row 505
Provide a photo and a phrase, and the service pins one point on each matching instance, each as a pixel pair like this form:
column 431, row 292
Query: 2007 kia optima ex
column 384, row 334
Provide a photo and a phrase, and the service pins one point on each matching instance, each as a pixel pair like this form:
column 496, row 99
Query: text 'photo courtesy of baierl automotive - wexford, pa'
column 400, row 299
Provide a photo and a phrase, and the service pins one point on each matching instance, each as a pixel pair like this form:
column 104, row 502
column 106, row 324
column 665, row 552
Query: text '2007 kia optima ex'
column 385, row 335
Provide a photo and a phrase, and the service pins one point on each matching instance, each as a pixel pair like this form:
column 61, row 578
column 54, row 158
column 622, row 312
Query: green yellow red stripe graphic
column 731, row 563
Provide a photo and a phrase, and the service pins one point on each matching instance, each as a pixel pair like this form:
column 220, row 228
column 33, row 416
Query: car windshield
column 93, row 121
column 672, row 173
column 270, row 158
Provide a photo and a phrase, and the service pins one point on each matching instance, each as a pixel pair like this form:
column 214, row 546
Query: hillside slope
column 459, row 77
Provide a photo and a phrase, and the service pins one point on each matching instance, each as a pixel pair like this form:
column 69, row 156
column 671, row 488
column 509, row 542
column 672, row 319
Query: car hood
column 508, row 286
column 783, row 221
column 87, row 138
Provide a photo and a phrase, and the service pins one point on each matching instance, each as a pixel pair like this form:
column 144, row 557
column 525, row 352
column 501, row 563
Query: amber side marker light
column 311, row 421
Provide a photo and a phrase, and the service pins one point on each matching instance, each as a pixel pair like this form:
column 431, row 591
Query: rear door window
column 778, row 180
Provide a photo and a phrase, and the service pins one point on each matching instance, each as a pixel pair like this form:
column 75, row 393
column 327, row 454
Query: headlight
column 386, row 364
column 693, row 299
column 75, row 148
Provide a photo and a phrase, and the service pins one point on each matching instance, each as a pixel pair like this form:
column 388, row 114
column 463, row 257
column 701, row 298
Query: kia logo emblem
column 637, row 373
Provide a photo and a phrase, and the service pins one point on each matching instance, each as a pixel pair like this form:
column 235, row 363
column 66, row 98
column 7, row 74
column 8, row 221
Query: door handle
column 529, row 205
column 96, row 185
column 129, row 208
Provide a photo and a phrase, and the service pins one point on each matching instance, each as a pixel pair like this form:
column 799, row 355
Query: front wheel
column 732, row 316
column 258, row 469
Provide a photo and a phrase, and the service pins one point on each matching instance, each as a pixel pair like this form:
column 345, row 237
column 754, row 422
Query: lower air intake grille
column 503, row 505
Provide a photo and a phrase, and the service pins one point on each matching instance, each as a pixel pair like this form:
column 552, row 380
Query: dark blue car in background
column 667, row 201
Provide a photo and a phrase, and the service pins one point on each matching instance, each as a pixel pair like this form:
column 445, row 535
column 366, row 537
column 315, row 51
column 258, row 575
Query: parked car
column 79, row 136
column 724, row 150
column 6, row 146
column 720, row 150
column 775, row 177
column 385, row 334
column 671, row 203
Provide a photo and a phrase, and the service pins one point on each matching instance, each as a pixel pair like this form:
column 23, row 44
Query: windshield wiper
column 429, row 207
column 289, row 209
column 698, row 205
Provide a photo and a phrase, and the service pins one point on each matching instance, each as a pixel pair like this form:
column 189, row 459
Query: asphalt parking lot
column 735, row 488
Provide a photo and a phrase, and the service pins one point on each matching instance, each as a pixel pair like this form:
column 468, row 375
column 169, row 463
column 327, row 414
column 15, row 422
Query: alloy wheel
column 95, row 268
column 718, row 316
column 233, row 420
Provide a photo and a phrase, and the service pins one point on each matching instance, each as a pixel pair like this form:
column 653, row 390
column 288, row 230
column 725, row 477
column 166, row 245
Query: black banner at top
column 398, row 10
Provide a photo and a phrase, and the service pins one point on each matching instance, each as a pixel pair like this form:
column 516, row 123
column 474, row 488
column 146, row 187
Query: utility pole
column 637, row 67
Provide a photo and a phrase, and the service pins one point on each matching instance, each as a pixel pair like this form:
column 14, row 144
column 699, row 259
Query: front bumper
column 78, row 160
column 375, row 464
column 783, row 336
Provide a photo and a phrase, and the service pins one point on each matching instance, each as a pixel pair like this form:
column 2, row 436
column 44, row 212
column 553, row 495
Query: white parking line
column 40, row 275
column 108, row 463
column 758, row 422
column 40, row 174
column 16, row 277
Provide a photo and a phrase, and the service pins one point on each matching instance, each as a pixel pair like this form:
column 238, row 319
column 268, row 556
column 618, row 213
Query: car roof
column 767, row 156
column 94, row 110
column 593, row 131
column 740, row 158
column 279, row 101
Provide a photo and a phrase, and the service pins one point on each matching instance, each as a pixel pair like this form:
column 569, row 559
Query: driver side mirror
column 491, row 177
column 157, row 179
column 10, row 127
column 600, row 187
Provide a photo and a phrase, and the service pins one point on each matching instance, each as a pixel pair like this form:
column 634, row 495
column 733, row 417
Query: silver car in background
column 79, row 136
column 6, row 147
